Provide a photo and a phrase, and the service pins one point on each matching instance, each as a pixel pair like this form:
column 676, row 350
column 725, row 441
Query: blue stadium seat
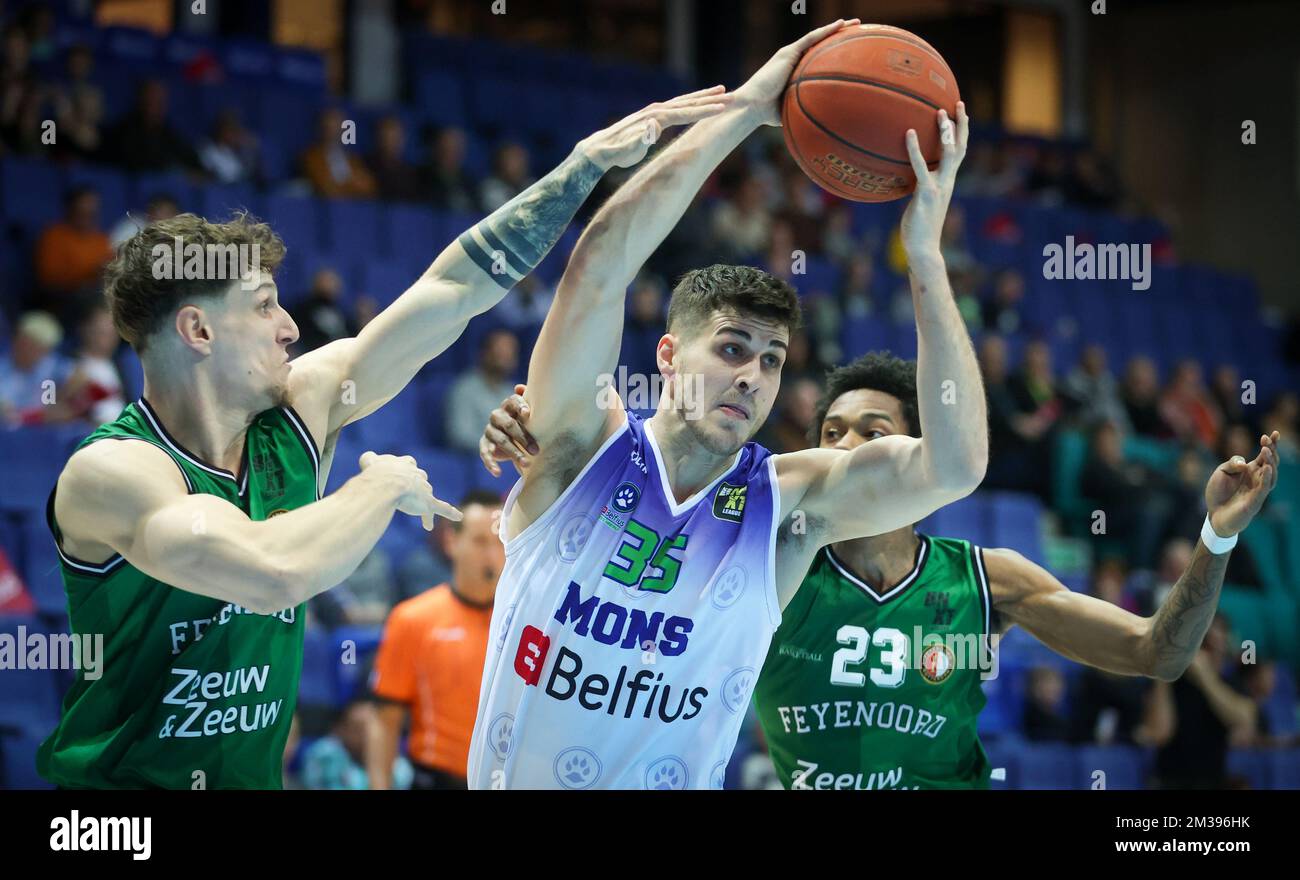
column 352, row 229
column 316, row 686
column 352, row 661
column 31, row 193
column 41, row 566
column 172, row 183
column 1048, row 766
column 219, row 201
column 1284, row 768
column 32, row 460
column 1121, row 764
column 395, row 426
column 1015, row 523
column 18, row 757
column 295, row 219
column 433, row 396
column 29, row 700
column 410, row 229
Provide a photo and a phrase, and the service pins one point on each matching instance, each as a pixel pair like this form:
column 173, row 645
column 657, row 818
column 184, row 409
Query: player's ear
column 666, row 354
column 446, row 537
column 194, row 329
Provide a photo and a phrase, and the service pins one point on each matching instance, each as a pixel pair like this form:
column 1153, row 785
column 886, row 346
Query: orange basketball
column 850, row 102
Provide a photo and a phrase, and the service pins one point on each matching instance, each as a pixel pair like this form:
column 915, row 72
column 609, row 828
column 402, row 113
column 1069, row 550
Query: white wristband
column 1213, row 542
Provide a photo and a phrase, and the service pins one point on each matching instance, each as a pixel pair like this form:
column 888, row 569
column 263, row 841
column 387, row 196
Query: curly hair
column 877, row 371
column 141, row 301
column 701, row 292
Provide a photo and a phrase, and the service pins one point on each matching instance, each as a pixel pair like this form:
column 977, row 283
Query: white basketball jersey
column 628, row 630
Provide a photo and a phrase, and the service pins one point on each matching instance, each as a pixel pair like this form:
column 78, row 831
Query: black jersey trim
column 156, row 423
column 305, row 438
column 986, row 595
column 922, row 554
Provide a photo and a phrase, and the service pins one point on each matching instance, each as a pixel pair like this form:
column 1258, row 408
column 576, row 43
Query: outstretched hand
column 1237, row 488
column 923, row 219
column 762, row 92
column 505, row 438
column 626, row 142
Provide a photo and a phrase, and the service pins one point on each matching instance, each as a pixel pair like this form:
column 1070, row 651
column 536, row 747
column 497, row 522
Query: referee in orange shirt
column 430, row 661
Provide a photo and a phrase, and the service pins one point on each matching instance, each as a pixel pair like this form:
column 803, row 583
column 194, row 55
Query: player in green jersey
column 191, row 543
column 873, row 678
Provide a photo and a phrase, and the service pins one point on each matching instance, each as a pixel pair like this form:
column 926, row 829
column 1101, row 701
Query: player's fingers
column 812, row 38
column 443, row 509
column 516, row 407
column 427, row 522
column 485, row 456
column 919, row 167
column 518, row 437
column 501, row 447
column 963, row 128
column 669, row 117
column 699, row 93
column 367, row 459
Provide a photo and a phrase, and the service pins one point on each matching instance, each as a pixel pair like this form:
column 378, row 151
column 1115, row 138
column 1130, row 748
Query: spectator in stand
column 424, row 565
column 780, row 251
column 338, row 762
column 1193, row 718
column 395, row 179
column 1045, row 719
column 321, row 318
column 143, row 139
column 444, row 180
column 1018, row 445
column 232, row 153
column 1226, row 392
column 1282, row 417
column 363, row 599
column 160, row 207
column 1188, row 408
column 1034, row 386
column 94, row 390
column 1049, row 181
column 333, row 168
column 1093, row 394
column 1274, row 727
column 1141, row 396
column 481, row 390
column 741, row 224
column 31, row 362
column 1002, row 311
column 510, row 177
column 71, row 254
column 644, row 326
column 37, row 22
column 801, row 210
column 79, row 107
column 1188, row 492
column 525, row 308
column 25, row 134
column 430, row 660
column 839, row 243
column 964, row 270
column 989, row 173
column 1135, row 499
column 1091, row 183
column 796, row 410
column 18, row 91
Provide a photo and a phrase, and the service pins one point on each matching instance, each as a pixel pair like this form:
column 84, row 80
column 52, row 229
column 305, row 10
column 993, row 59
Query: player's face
column 476, row 553
column 253, row 335
column 860, row 415
column 732, row 367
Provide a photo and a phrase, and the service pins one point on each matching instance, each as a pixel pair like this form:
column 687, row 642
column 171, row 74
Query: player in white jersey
column 647, row 562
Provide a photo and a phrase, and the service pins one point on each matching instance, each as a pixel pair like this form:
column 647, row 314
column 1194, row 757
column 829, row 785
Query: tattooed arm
column 470, row 276
column 1103, row 635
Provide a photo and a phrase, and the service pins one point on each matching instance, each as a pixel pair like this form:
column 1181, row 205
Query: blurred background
column 1144, row 124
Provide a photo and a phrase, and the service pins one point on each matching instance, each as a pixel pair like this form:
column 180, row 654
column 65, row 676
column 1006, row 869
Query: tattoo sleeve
column 1183, row 619
column 517, row 236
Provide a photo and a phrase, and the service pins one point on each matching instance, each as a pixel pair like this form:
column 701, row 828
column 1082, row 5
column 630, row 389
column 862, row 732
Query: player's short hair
column 743, row 289
column 877, row 371
column 141, row 302
column 485, row 497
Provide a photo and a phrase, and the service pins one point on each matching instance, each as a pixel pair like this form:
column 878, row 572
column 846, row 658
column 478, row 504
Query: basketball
column 849, row 105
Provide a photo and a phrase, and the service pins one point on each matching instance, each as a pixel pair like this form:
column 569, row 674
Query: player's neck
column 881, row 560
column 688, row 466
column 196, row 416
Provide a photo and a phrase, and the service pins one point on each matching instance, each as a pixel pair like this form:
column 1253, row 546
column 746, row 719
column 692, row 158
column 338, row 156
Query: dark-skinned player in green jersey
column 872, row 680
column 192, row 542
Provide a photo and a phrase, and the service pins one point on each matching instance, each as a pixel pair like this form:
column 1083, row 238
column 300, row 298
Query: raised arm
column 582, row 332
column 132, row 499
column 1103, row 635
column 897, row 480
column 467, row 278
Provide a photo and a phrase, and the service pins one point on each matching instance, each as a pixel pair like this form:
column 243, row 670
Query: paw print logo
column 668, row 773
column 505, row 626
column 625, row 497
column 718, row 775
column 501, row 735
column 728, row 586
column 576, row 767
column 736, row 688
column 573, row 537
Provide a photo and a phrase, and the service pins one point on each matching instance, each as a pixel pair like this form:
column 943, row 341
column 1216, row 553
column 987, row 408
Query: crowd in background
column 58, row 347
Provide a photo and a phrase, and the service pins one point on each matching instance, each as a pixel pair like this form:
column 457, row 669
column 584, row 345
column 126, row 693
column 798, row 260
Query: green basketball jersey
column 192, row 691
column 868, row 691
